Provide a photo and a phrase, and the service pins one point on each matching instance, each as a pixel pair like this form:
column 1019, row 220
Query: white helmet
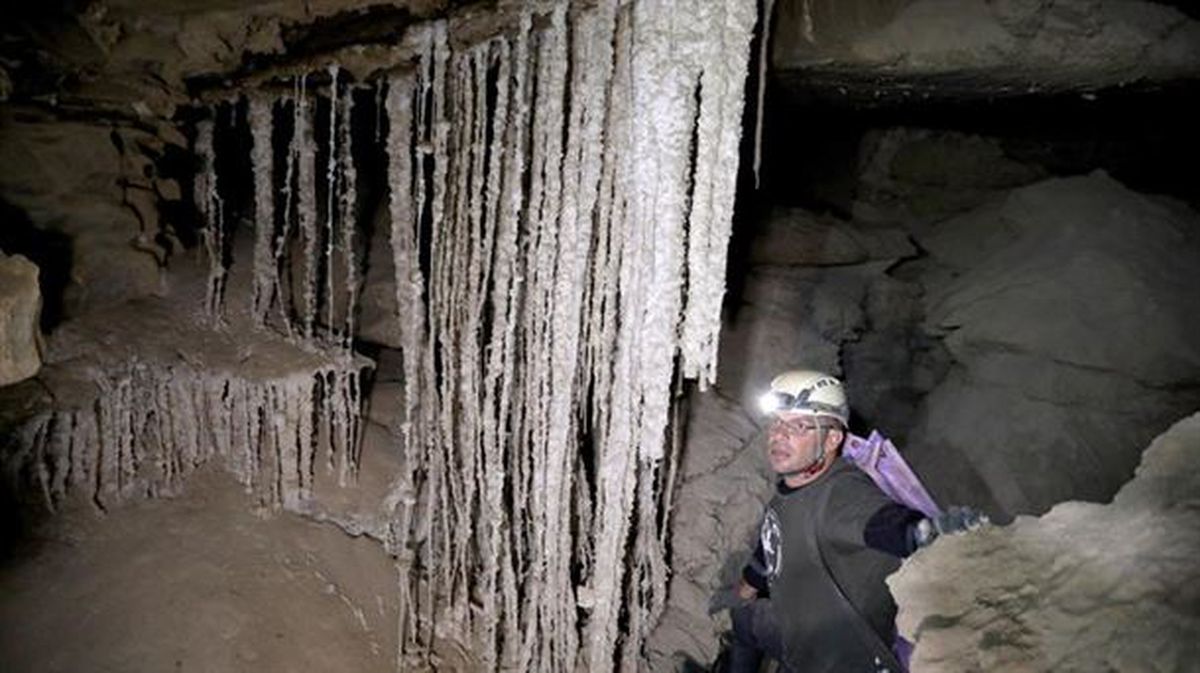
column 807, row 392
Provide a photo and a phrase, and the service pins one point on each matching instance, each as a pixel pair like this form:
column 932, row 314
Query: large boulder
column 1069, row 311
column 1086, row 587
column 20, row 305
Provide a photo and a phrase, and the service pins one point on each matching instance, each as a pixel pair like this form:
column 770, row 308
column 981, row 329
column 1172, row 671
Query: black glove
column 954, row 520
column 959, row 519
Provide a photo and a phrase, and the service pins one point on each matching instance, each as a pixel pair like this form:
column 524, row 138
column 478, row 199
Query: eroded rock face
column 1065, row 40
column 725, row 483
column 995, row 45
column 796, row 237
column 95, row 185
column 1086, row 587
column 1065, row 309
column 20, row 303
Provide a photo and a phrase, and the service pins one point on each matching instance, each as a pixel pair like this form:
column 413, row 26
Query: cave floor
column 196, row 583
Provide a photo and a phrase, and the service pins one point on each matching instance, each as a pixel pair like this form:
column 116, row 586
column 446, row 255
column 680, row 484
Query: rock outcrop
column 20, row 303
column 1066, row 311
column 1086, row 587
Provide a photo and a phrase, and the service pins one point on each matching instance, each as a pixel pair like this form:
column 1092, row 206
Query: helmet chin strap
column 813, row 469
column 818, row 463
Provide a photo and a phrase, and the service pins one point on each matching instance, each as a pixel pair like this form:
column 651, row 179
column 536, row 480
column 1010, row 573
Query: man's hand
column 959, row 519
column 732, row 597
column 953, row 520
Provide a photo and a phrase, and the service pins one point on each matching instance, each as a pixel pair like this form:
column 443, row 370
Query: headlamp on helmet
column 806, row 392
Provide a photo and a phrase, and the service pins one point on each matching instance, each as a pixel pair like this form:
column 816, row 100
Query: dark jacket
column 835, row 512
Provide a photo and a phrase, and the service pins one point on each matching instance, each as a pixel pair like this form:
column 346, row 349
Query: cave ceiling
column 139, row 59
column 888, row 53
column 142, row 60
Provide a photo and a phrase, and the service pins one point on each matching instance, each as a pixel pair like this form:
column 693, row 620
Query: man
column 813, row 597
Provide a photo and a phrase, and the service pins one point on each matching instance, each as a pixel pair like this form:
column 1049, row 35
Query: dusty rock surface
column 196, row 583
column 20, row 303
column 1086, row 587
column 791, row 315
column 377, row 311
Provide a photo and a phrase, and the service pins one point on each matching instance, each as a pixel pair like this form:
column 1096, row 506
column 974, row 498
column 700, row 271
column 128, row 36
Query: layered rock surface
column 1087, row 587
column 983, row 47
column 1081, row 39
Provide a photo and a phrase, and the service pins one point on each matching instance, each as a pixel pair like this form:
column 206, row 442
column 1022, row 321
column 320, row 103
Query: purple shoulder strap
column 876, row 456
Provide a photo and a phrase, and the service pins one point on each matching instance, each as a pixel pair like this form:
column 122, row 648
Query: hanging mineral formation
column 561, row 196
column 317, row 303
column 561, row 200
column 262, row 161
column 212, row 225
column 347, row 207
column 152, row 426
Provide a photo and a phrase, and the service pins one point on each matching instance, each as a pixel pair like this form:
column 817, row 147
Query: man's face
column 792, row 442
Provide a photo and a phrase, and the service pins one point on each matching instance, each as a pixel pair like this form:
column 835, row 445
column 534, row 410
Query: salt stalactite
column 210, row 207
column 284, row 293
column 380, row 109
column 305, row 265
column 759, row 110
column 710, row 216
column 153, row 426
column 575, row 180
column 400, row 176
column 331, row 210
column 306, row 184
column 262, row 161
column 348, row 208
